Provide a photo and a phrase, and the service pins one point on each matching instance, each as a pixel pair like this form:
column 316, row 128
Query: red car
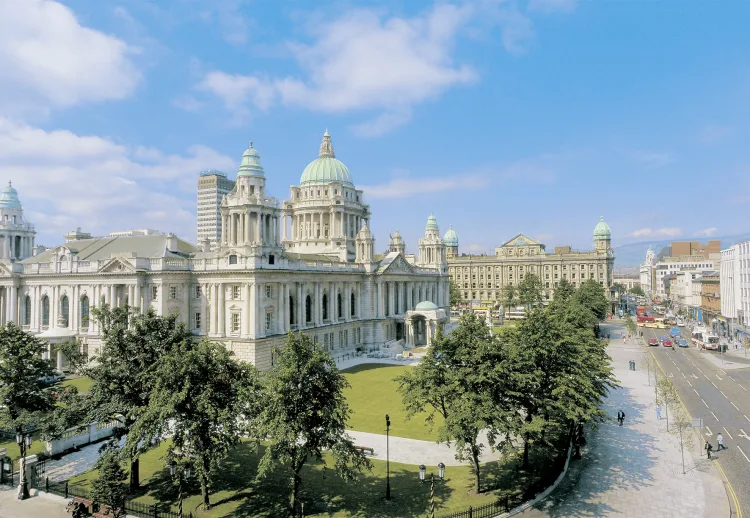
column 667, row 343
column 653, row 341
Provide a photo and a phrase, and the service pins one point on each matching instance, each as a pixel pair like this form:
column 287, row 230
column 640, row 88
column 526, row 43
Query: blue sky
column 498, row 116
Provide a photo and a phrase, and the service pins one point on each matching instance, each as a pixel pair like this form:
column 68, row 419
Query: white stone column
column 287, row 308
column 213, row 300
column 247, row 313
column 280, row 308
column 253, row 311
column 74, row 308
column 222, row 318
column 300, row 307
column 204, row 316
column 14, row 305
column 137, row 303
column 54, row 306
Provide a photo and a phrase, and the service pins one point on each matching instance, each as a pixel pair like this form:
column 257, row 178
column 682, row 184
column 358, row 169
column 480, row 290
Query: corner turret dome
column 426, row 305
column 396, row 238
column 601, row 231
column 326, row 168
column 250, row 164
column 364, row 232
column 9, row 199
column 450, row 238
column 432, row 224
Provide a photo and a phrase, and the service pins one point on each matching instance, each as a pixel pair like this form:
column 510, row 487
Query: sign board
column 697, row 422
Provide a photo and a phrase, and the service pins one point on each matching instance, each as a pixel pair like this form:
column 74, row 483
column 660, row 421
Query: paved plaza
column 635, row 470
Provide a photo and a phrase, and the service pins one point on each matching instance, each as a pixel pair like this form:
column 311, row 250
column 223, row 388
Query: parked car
column 683, row 343
column 653, row 341
column 51, row 380
column 667, row 343
column 662, row 339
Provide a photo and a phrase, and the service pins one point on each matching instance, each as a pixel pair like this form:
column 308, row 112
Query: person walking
column 620, row 417
column 658, row 412
column 720, row 443
column 708, row 449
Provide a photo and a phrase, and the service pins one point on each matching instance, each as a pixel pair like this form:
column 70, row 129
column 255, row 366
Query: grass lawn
column 236, row 493
column 14, row 452
column 83, row 384
column 373, row 394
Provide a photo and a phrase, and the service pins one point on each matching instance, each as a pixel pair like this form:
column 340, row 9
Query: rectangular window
column 172, row 292
column 236, row 292
column 198, row 292
column 197, row 321
column 154, row 292
column 235, row 322
column 269, row 291
column 269, row 321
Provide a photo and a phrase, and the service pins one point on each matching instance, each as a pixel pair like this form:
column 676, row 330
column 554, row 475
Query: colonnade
column 16, row 246
column 315, row 224
column 397, row 297
column 241, row 228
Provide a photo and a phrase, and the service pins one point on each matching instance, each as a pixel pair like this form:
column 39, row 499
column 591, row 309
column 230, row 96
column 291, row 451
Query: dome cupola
column 9, row 199
column 432, row 224
column 602, row 231
column 450, row 238
column 250, row 164
column 326, row 168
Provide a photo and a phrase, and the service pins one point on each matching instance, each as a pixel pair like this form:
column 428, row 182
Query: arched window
column 84, row 312
column 340, row 306
column 308, row 309
column 325, row 306
column 27, row 311
column 64, row 311
column 353, row 306
column 291, row 311
column 45, row 311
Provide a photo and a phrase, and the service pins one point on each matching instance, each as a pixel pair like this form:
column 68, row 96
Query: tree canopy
column 591, row 295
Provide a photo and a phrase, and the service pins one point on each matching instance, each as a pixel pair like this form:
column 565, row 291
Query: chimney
column 171, row 242
column 206, row 245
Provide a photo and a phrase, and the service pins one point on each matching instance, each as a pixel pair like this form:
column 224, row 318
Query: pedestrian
column 620, row 417
column 658, row 412
column 708, row 449
column 720, row 443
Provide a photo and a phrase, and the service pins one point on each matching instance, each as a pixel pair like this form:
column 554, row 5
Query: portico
column 423, row 323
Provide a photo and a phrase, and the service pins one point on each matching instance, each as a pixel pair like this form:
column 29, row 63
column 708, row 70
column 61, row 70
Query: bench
column 365, row 449
column 104, row 510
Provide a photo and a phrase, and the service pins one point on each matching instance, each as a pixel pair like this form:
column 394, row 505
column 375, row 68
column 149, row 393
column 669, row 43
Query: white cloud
column 707, row 232
column 475, row 247
column 66, row 180
column 404, row 187
column 659, row 232
column 236, row 90
column 381, row 124
column 552, row 6
column 49, row 60
column 653, row 159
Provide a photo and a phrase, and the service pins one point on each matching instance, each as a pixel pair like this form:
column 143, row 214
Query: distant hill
column 628, row 257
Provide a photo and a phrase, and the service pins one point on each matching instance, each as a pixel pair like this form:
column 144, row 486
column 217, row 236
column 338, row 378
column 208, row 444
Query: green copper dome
column 426, row 305
column 432, row 224
column 326, row 168
column 9, row 199
column 450, row 238
column 601, row 231
column 250, row 164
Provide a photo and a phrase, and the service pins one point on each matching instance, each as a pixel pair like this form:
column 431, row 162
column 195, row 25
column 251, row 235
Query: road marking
column 725, row 373
column 743, row 434
column 743, row 388
column 683, row 375
column 708, row 431
column 731, row 378
column 693, row 375
column 709, row 379
column 743, row 454
column 671, row 374
column 725, row 396
column 729, row 434
column 748, row 418
column 714, row 384
column 704, row 403
column 696, row 392
column 735, row 406
column 714, row 415
column 699, row 369
column 678, row 368
column 689, row 383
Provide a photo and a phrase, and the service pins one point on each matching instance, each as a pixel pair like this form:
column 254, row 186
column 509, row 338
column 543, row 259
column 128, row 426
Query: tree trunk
column 204, row 492
column 475, row 458
column 526, row 450
column 135, row 474
column 296, row 483
column 666, row 412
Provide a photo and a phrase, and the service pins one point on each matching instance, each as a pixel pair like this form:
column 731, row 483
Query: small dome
column 250, row 164
column 450, row 238
column 364, row 232
column 326, row 168
column 396, row 238
column 601, row 231
column 426, row 305
column 9, row 199
column 432, row 224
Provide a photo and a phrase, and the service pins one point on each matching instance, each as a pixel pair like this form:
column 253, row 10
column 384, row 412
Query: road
column 721, row 396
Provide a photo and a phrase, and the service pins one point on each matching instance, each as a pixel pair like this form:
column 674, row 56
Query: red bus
column 645, row 319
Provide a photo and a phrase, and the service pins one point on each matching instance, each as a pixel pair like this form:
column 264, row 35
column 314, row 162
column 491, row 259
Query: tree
column 509, row 297
column 591, row 295
column 453, row 381
column 637, row 290
column 109, row 488
column 630, row 325
column 564, row 290
column 455, row 294
column 202, row 398
column 305, row 413
column 667, row 396
column 530, row 291
column 124, row 373
column 620, row 288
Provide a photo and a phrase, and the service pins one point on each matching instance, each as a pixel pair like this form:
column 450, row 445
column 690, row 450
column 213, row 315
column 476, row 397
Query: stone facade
column 248, row 292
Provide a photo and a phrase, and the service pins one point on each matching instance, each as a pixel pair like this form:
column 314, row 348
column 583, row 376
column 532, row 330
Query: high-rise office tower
column 212, row 186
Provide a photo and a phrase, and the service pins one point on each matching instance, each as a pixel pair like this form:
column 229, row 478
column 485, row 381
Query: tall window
column 197, row 321
column 85, row 312
column 64, row 308
column 235, row 322
column 27, row 311
column 291, row 311
column 269, row 321
column 339, row 305
column 308, row 309
column 325, row 306
column 173, row 292
column 353, row 310
column 232, row 259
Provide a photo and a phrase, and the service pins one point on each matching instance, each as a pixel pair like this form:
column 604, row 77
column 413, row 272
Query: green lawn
column 14, row 453
column 236, row 493
column 373, row 394
column 83, row 384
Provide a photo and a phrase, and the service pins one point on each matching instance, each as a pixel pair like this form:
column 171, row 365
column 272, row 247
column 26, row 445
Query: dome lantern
column 250, row 164
column 9, row 199
column 326, row 168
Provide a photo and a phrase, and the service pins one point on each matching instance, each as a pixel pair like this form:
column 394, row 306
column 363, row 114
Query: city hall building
column 263, row 268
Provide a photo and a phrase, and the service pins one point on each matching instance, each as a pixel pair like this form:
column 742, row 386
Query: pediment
column 520, row 240
column 117, row 266
column 395, row 264
column 5, row 271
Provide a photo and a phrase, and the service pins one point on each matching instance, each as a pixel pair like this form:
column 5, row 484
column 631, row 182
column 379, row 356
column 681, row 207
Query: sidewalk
column 636, row 470
column 39, row 505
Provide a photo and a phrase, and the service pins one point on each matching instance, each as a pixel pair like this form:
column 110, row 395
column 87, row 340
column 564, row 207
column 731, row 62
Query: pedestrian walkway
column 634, row 470
column 40, row 505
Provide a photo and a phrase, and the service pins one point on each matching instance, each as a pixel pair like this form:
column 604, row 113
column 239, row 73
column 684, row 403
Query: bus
column 645, row 319
column 697, row 336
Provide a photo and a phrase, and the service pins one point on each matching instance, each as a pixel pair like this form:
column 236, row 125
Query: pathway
column 635, row 470
column 39, row 505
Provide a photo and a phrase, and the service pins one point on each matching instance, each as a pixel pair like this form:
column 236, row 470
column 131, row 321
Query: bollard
column 46, row 484
column 66, row 489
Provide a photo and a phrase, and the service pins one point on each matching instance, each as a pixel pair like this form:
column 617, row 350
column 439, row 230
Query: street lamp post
column 441, row 474
column 178, row 473
column 23, row 440
column 387, row 459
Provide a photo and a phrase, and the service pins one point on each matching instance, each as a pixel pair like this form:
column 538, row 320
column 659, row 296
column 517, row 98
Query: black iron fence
column 485, row 511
